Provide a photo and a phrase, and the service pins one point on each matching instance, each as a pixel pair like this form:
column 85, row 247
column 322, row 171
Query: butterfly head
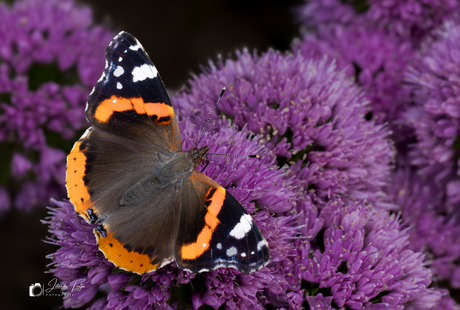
column 198, row 155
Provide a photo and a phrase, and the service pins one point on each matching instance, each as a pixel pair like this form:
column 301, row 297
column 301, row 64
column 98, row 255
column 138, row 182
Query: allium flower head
column 51, row 55
column 320, row 13
column 434, row 79
column 414, row 19
column 423, row 205
column 349, row 251
column 376, row 61
column 375, row 42
column 363, row 258
column 410, row 19
column 306, row 111
column 332, row 242
column 256, row 183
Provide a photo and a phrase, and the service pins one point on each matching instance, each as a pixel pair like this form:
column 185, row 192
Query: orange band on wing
column 197, row 248
column 107, row 107
column 77, row 191
column 121, row 257
column 160, row 109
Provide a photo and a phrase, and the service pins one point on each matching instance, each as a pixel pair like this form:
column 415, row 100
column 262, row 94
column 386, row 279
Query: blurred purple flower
column 251, row 181
column 414, row 19
column 374, row 41
column 307, row 112
column 376, row 61
column 434, row 78
column 410, row 19
column 20, row 165
column 432, row 229
column 50, row 57
column 320, row 13
column 435, row 118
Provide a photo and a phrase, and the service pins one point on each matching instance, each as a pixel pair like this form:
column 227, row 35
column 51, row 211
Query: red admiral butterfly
column 129, row 175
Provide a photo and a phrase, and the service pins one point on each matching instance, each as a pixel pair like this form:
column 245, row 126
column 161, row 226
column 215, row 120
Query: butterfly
column 129, row 175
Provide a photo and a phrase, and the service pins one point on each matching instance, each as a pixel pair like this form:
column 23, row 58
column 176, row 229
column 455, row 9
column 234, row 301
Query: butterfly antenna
column 209, row 119
column 227, row 155
column 235, row 155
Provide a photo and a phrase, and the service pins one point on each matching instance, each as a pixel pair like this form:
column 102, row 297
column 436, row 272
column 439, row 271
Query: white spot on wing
column 143, row 72
column 135, row 47
column 261, row 244
column 119, row 86
column 204, row 245
column 232, row 251
column 118, row 71
column 219, row 246
column 114, row 100
column 243, row 254
column 120, row 59
column 242, row 228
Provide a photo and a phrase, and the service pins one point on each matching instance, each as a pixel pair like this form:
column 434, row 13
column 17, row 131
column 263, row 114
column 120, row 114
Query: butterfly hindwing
column 216, row 231
column 141, row 237
column 130, row 99
column 113, row 181
column 99, row 156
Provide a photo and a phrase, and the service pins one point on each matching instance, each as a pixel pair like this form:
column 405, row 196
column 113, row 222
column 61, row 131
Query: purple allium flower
column 435, row 118
column 375, row 41
column 432, row 229
column 51, row 55
column 319, row 13
column 307, row 112
column 375, row 59
column 256, row 183
column 360, row 260
column 410, row 19
column 50, row 168
column 349, row 251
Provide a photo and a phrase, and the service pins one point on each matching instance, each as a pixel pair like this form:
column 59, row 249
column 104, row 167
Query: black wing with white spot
column 216, row 231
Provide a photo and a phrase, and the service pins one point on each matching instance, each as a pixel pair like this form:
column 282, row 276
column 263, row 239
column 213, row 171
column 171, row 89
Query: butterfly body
column 129, row 175
column 172, row 171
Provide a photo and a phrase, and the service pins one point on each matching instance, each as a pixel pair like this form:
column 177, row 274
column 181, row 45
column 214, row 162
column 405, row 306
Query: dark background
column 179, row 36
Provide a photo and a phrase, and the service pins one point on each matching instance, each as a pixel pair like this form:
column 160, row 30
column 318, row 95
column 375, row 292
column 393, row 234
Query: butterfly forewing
column 130, row 99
